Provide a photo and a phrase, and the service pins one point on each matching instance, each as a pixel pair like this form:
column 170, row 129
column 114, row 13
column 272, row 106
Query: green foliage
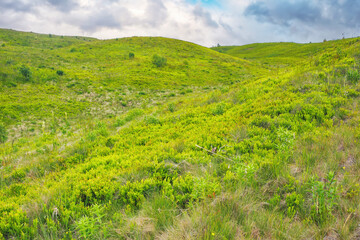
column 159, row 61
column 219, row 109
column 286, row 139
column 92, row 226
column 294, row 203
column 25, row 72
column 131, row 55
column 129, row 116
column 3, row 133
column 151, row 120
column 60, row 72
column 353, row 75
column 212, row 145
column 171, row 107
column 324, row 198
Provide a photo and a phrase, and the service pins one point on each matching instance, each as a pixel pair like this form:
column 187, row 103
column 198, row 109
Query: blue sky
column 205, row 22
column 206, row 3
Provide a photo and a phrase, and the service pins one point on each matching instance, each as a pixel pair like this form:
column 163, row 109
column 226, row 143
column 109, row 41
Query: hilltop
column 156, row 138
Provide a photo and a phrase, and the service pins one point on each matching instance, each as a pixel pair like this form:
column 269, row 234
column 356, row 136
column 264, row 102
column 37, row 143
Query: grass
column 208, row 146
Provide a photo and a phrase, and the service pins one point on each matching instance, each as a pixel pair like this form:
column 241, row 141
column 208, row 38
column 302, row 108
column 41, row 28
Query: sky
column 205, row 22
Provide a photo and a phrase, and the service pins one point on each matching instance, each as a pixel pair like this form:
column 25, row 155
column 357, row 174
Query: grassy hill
column 104, row 140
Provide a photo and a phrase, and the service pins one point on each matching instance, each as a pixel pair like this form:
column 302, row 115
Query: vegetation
column 3, row 133
column 209, row 146
column 159, row 61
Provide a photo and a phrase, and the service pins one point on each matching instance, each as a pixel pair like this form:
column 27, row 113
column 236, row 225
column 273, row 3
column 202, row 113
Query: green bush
column 353, row 76
column 60, row 72
column 151, row 120
column 92, row 226
column 25, row 72
column 3, row 133
column 131, row 55
column 171, row 107
column 324, row 198
column 219, row 109
column 294, row 203
column 159, row 61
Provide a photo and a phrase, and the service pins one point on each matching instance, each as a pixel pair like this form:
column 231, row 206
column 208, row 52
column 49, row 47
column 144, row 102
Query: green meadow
column 157, row 138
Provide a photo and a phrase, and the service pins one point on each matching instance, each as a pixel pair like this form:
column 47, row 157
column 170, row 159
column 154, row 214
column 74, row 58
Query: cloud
column 16, row 5
column 98, row 20
column 155, row 14
column 63, row 5
column 318, row 13
column 206, row 22
column 284, row 12
column 204, row 16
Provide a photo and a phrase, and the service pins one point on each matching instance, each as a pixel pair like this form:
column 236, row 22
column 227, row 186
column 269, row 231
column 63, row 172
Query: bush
column 353, row 76
column 3, row 133
column 60, row 72
column 219, row 109
column 152, row 120
column 324, row 198
column 131, row 55
column 25, row 72
column 159, row 61
column 92, row 226
column 171, row 107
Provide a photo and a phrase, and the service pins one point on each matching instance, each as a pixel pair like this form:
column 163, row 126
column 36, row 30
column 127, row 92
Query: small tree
column 25, row 72
column 3, row 133
column 159, row 61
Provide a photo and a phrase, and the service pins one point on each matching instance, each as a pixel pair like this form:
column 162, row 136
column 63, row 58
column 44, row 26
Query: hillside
column 155, row 138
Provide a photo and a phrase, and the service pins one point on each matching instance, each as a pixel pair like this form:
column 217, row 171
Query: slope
column 61, row 79
column 237, row 151
column 281, row 54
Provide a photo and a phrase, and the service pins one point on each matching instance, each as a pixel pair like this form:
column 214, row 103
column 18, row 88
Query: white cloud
column 205, row 24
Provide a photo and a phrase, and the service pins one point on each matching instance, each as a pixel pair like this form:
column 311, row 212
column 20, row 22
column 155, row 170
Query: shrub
column 159, row 61
column 294, row 203
column 60, row 72
column 131, row 55
column 3, row 133
column 219, row 109
column 353, row 76
column 171, row 107
column 25, row 72
column 152, row 120
column 92, row 226
column 324, row 198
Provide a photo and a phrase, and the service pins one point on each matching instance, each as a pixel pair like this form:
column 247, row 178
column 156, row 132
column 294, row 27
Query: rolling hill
column 156, row 138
